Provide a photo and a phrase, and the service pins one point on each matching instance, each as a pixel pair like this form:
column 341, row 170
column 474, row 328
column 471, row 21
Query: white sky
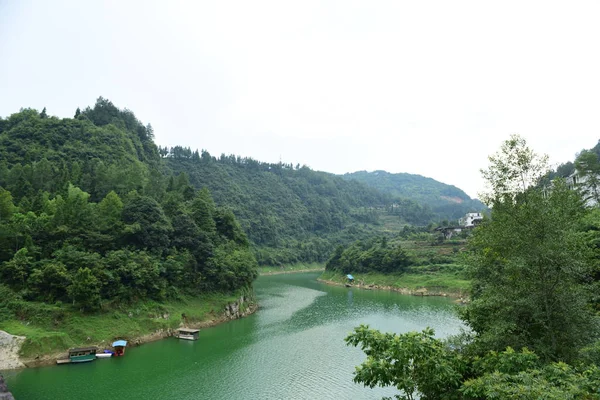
column 426, row 87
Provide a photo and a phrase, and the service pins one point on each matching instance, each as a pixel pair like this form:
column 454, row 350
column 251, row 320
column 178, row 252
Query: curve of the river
column 292, row 348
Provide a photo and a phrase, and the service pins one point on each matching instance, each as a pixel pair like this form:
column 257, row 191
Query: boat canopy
column 83, row 349
column 350, row 277
column 120, row 343
column 186, row 330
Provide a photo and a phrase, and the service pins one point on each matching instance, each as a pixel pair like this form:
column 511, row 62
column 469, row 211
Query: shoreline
column 291, row 271
column 423, row 292
column 232, row 311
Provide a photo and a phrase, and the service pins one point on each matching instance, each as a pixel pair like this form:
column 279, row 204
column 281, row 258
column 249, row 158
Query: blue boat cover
column 120, row 343
column 350, row 277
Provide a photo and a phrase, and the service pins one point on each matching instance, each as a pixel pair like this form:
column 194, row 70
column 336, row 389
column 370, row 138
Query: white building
column 581, row 183
column 470, row 220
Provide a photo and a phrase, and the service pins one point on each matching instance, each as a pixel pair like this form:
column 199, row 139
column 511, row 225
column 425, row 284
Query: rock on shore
column 9, row 351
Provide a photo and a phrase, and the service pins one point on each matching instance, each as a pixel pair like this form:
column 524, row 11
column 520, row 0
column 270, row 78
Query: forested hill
column 87, row 218
column 446, row 201
column 292, row 213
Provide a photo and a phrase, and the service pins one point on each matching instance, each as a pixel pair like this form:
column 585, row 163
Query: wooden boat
column 188, row 334
column 83, row 354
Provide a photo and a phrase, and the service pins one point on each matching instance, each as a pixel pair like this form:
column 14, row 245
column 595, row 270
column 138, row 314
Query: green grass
column 447, row 278
column 267, row 270
column 62, row 327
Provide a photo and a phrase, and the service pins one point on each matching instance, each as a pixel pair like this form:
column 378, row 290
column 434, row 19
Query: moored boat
column 82, row 354
column 188, row 334
column 119, row 346
column 105, row 354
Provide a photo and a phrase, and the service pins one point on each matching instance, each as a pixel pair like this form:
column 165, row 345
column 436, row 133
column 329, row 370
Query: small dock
column 63, row 361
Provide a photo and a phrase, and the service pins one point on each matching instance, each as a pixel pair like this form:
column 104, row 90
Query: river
column 292, row 348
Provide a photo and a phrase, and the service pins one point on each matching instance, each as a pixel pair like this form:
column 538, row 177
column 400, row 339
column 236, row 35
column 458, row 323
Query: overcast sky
column 425, row 87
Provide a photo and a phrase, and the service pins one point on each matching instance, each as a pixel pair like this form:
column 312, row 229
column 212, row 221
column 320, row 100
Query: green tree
column 84, row 289
column 587, row 165
column 109, row 212
column 7, row 207
column 203, row 211
column 16, row 271
column 147, row 226
column 513, row 169
column 416, row 363
column 528, row 263
column 50, row 281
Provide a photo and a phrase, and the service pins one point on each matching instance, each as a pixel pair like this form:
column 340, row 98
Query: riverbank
column 291, row 268
column 41, row 341
column 447, row 284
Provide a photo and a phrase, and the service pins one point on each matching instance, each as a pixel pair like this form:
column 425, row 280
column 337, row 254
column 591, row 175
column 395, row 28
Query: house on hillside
column 470, row 220
column 449, row 231
column 588, row 186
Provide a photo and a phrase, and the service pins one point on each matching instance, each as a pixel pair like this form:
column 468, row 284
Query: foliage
column 512, row 170
column 534, row 265
column 415, row 363
column 529, row 263
column 527, row 288
column 587, row 165
column 438, row 199
column 85, row 289
column 447, row 279
column 88, row 217
column 52, row 328
column 421, row 366
column 372, row 256
column 292, row 213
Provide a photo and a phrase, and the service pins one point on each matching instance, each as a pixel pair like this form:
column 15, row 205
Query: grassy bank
column 446, row 279
column 51, row 329
column 289, row 268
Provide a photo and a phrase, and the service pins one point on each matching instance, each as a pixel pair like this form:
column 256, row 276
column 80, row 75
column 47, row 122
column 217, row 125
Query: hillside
column 87, row 217
column 293, row 213
column 289, row 213
column 446, row 201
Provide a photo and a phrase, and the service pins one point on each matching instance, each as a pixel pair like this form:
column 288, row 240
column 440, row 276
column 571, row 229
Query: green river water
column 292, row 348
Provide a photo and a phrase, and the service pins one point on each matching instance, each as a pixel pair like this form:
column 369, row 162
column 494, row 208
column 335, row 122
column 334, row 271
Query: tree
column 109, row 212
column 50, row 281
column 147, row 225
column 416, row 363
column 7, row 207
column 421, row 366
column 203, row 211
column 16, row 271
column 587, row 165
column 513, row 169
column 528, row 263
column 84, row 289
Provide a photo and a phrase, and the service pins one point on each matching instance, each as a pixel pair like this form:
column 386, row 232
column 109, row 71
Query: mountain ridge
column 446, row 201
